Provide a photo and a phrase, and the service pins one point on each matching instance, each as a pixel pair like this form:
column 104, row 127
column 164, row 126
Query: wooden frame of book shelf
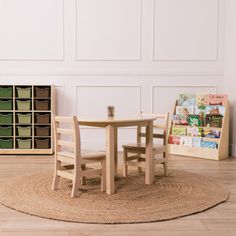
column 14, row 98
column 207, row 153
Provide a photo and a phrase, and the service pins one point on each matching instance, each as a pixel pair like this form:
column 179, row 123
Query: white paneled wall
column 105, row 37
column 134, row 54
column 185, row 30
column 26, row 31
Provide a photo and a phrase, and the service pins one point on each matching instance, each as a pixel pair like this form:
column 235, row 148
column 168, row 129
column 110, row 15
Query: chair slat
column 159, row 126
column 154, row 135
column 66, row 144
column 64, row 131
column 65, row 174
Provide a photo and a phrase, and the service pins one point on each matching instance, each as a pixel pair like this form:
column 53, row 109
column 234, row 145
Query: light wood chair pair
column 70, row 163
column 134, row 153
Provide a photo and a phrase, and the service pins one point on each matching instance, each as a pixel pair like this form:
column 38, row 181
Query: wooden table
column 111, row 125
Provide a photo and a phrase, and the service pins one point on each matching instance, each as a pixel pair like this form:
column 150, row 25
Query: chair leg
column 56, row 178
column 55, row 183
column 165, row 165
column 103, row 177
column 125, row 167
column 75, row 188
column 139, row 160
column 83, row 179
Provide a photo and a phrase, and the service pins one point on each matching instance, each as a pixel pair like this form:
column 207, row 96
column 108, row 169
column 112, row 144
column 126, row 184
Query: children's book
column 199, row 110
column 186, row 141
column 218, row 99
column 214, row 120
column 202, row 100
column 196, row 142
column 187, row 99
column 194, row 131
column 215, row 110
column 178, row 130
column 179, row 120
column 174, row 140
column 211, row 133
column 208, row 144
column 182, row 112
column 176, row 120
column 194, row 120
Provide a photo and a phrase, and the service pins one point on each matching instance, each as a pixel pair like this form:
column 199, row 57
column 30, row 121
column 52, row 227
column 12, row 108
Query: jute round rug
column 180, row 194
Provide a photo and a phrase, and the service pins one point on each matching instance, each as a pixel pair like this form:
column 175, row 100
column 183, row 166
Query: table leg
column 110, row 148
column 115, row 150
column 149, row 172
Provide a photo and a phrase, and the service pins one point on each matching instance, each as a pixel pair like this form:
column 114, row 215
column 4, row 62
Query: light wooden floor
column 219, row 221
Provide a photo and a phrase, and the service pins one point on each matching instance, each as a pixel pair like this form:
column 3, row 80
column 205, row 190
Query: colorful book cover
column 179, row 120
column 194, row 131
column 187, row 99
column 186, row 141
column 178, row 130
column 208, row 144
column 176, row 120
column 214, row 120
column 215, row 110
column 195, row 120
column 216, row 133
column 200, row 110
column 202, row 100
column 196, row 142
column 182, row 112
column 174, row 140
column 212, row 134
column 218, row 99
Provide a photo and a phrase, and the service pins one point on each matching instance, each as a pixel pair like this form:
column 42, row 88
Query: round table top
column 117, row 120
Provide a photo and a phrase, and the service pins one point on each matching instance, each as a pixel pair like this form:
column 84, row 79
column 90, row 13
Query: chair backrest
column 160, row 127
column 67, row 136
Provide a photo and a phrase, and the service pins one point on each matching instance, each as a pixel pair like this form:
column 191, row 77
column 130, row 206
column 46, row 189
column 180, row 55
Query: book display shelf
column 25, row 119
column 202, row 133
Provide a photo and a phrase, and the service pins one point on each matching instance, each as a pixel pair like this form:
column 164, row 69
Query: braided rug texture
column 181, row 193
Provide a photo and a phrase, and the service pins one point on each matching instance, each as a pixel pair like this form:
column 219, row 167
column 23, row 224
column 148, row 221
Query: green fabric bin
column 5, row 104
column 23, row 92
column 6, row 118
column 6, row 131
column 6, row 143
column 24, row 143
column 24, row 131
column 24, row 118
column 23, row 105
column 6, row 92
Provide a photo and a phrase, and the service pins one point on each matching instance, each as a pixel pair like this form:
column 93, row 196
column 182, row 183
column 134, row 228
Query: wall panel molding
column 40, row 48
column 105, row 58
column 183, row 58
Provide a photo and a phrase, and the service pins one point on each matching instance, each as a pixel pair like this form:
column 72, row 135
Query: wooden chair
column 138, row 149
column 69, row 162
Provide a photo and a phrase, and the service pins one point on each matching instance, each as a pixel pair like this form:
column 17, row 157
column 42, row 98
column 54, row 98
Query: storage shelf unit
column 21, row 108
column 207, row 153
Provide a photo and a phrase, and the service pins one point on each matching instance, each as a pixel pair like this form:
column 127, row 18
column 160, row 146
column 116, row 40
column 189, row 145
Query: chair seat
column 85, row 157
column 141, row 147
column 94, row 155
